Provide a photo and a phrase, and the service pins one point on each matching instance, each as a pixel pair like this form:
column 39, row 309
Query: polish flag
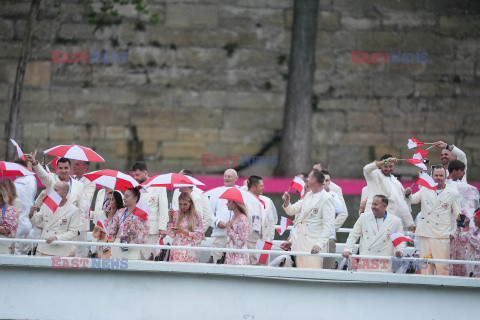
column 52, row 200
column 142, row 210
column 398, row 238
column 418, row 163
column 263, row 245
column 413, row 143
column 299, row 185
column 419, row 154
column 101, row 224
column 160, row 242
column 54, row 163
column 284, row 223
column 19, row 150
column 425, row 180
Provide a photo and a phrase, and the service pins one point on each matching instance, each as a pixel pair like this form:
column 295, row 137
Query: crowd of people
column 447, row 227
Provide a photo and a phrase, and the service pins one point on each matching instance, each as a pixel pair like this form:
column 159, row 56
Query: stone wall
column 210, row 78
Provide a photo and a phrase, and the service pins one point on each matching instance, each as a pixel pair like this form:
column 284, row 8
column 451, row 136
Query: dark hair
column 386, row 156
column 136, row 193
column 139, row 165
column 324, row 165
column 64, row 160
column 438, row 166
column 253, row 181
column 325, row 172
column 456, row 165
column 20, row 161
column 118, row 199
column 187, row 172
column 318, row 175
column 382, row 198
column 305, row 174
column 86, row 162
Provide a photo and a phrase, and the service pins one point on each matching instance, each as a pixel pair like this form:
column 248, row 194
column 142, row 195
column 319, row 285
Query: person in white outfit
column 449, row 153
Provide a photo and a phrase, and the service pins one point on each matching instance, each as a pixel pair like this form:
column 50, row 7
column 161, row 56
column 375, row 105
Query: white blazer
column 156, row 198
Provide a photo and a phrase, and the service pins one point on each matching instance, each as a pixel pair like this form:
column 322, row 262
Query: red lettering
column 384, row 57
column 215, row 161
column 355, row 262
column 64, row 57
column 56, row 262
column 65, row 263
column 366, row 58
column 375, row 57
column 364, row 265
column 74, row 57
column 84, row 56
column 225, row 160
column 84, row 263
column 234, row 161
column 356, row 57
column 206, row 160
column 74, row 263
column 384, row 263
column 374, row 264
column 55, row 55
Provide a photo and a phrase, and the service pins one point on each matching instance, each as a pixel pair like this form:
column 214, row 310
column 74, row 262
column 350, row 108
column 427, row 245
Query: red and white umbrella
column 13, row 169
column 75, row 152
column 172, row 180
column 235, row 194
column 113, row 179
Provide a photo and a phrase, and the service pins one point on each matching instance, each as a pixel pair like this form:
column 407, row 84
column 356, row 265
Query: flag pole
column 430, row 147
column 288, row 191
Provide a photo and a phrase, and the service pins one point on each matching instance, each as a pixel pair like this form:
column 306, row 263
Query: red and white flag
column 284, row 223
column 418, row 163
column 142, row 210
column 398, row 238
column 425, row 180
column 101, row 224
column 263, row 245
column 19, row 151
column 54, row 163
column 419, row 154
column 299, row 185
column 160, row 242
column 52, row 200
column 413, row 143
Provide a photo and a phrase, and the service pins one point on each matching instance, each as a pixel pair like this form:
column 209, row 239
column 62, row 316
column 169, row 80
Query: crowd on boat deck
column 447, row 226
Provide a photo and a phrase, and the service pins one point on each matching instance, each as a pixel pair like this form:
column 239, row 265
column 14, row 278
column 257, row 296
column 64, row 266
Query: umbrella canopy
column 172, row 180
column 113, row 179
column 235, row 194
column 13, row 169
column 75, row 152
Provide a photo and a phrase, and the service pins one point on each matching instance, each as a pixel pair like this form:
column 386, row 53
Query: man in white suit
column 315, row 221
column 263, row 225
column 156, row 199
column 79, row 169
column 202, row 204
column 440, row 209
column 75, row 194
column 374, row 229
column 61, row 225
column 381, row 181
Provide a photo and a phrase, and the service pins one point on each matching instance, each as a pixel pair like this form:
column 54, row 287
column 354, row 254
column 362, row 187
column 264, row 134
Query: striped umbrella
column 75, row 152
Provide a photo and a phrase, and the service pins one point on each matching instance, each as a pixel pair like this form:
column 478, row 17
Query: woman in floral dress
column 127, row 227
column 8, row 220
column 113, row 203
column 471, row 238
column 185, row 227
column 237, row 231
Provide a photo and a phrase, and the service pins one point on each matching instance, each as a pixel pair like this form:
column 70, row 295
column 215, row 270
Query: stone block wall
column 210, row 78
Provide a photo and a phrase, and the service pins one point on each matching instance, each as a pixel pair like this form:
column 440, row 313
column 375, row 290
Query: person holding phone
column 470, row 237
column 185, row 227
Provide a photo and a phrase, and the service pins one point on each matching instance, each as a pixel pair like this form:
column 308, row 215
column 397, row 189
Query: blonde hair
column 8, row 190
column 241, row 207
column 190, row 214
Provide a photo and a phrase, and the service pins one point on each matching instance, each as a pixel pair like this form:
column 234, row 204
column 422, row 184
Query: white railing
column 418, row 261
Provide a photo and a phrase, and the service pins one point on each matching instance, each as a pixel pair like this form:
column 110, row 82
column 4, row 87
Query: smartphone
column 461, row 223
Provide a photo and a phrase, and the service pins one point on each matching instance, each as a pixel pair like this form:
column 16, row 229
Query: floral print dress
column 471, row 239
column 237, row 239
column 193, row 239
column 8, row 219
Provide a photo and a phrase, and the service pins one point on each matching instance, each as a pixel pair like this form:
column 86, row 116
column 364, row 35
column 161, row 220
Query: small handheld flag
column 142, row 210
column 284, row 223
column 263, row 245
column 52, row 200
column 398, row 238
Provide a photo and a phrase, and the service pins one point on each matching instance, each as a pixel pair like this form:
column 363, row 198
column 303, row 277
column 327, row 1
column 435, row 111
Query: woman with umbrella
column 237, row 230
column 185, row 227
column 8, row 219
column 128, row 227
